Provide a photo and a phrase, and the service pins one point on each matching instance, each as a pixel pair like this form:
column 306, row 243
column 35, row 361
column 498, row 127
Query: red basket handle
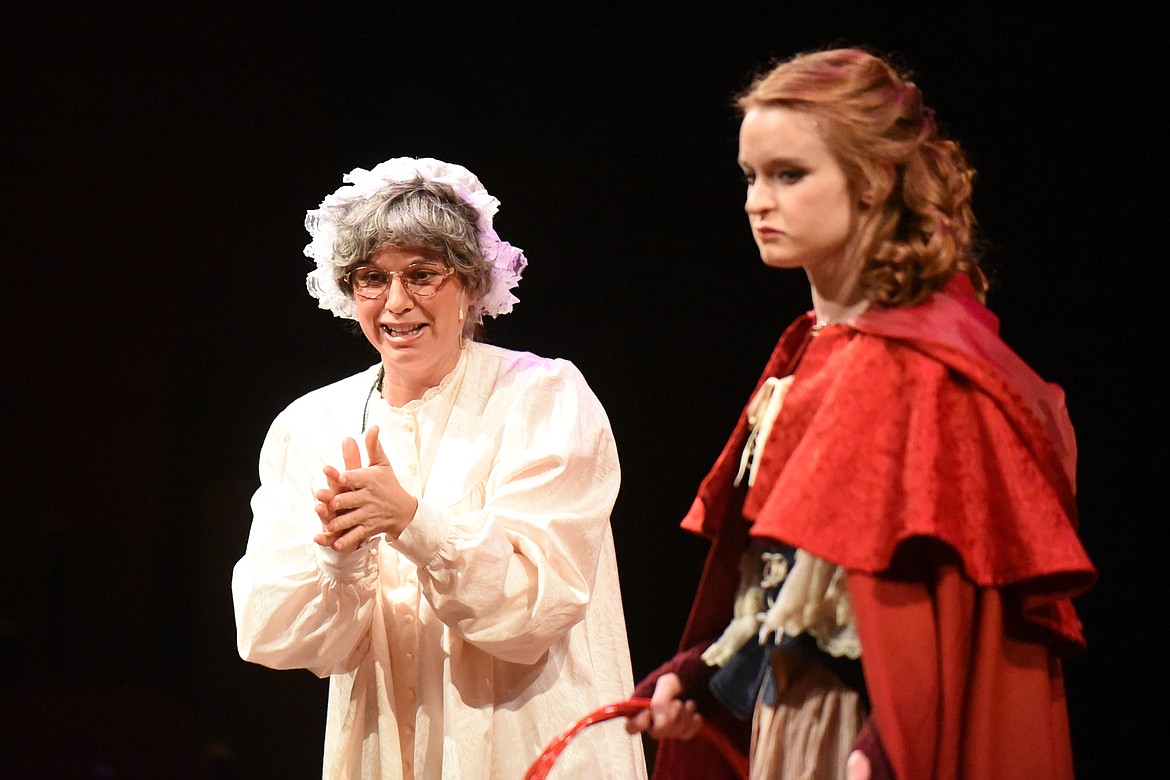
column 623, row 709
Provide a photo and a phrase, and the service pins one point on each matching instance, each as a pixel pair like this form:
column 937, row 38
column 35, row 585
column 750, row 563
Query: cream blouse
column 494, row 622
column 811, row 597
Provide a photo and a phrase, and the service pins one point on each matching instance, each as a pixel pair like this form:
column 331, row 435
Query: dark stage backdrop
column 159, row 159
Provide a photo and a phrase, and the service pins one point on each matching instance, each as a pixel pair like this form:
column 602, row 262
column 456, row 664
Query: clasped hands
column 362, row 502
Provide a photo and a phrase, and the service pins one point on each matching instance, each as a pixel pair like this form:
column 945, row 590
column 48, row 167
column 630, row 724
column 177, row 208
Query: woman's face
column 417, row 337
column 799, row 206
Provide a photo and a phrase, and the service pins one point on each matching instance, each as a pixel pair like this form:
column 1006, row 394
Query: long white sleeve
column 299, row 605
column 513, row 576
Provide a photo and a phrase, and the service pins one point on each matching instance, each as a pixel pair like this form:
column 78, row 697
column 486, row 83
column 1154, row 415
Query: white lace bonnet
column 507, row 262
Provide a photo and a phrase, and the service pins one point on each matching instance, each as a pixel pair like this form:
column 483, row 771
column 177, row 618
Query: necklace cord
column 376, row 386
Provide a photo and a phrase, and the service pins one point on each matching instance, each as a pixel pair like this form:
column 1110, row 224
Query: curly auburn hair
column 917, row 228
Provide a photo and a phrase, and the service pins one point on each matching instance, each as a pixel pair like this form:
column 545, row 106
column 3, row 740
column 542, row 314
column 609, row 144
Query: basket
column 623, row 709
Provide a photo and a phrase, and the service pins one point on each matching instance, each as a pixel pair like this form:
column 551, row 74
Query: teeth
column 402, row 331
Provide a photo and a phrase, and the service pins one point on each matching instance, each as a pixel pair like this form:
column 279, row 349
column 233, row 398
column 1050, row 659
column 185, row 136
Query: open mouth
column 402, row 332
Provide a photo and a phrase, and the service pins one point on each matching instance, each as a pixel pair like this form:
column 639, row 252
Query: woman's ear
column 467, row 304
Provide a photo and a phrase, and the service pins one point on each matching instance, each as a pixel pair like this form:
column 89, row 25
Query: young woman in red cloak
column 893, row 521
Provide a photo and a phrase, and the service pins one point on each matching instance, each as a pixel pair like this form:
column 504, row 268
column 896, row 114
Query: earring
column 462, row 329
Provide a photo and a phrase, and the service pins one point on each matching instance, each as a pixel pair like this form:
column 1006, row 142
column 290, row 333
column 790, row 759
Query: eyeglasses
column 421, row 279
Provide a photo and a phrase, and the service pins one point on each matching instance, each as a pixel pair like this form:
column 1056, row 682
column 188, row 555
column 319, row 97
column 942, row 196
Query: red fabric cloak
column 907, row 425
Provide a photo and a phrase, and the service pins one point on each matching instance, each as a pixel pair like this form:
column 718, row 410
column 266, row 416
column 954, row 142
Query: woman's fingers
column 374, row 447
column 344, row 539
column 351, row 456
column 668, row 716
column 668, row 686
column 690, row 722
column 676, row 720
column 857, row 767
column 639, row 722
column 351, row 539
column 368, row 499
column 333, row 478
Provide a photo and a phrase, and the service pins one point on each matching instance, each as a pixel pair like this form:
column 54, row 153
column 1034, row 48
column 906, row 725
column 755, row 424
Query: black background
column 159, row 159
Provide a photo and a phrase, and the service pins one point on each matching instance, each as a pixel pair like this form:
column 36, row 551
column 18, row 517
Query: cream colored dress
column 494, row 622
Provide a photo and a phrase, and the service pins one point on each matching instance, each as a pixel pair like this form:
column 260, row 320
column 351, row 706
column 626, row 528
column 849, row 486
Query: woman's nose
column 759, row 198
column 397, row 298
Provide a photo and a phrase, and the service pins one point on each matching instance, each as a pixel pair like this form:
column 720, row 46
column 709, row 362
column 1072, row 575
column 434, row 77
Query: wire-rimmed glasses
column 422, row 279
